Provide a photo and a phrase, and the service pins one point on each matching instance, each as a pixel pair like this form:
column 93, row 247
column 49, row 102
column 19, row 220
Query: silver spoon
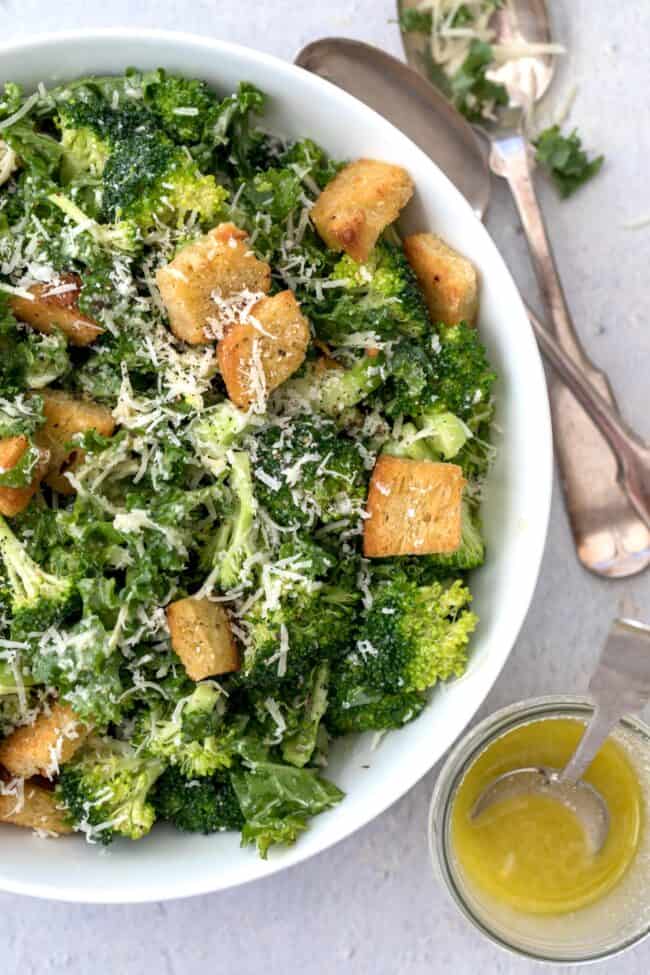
column 611, row 541
column 619, row 685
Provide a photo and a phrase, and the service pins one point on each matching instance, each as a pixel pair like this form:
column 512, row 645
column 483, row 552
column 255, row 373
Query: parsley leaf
column 416, row 21
column 472, row 93
column 565, row 159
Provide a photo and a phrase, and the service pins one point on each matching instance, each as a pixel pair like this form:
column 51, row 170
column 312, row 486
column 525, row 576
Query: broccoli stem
column 234, row 535
column 27, row 580
column 118, row 237
column 341, row 389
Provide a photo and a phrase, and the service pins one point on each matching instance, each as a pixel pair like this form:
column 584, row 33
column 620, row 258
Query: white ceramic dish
column 169, row 864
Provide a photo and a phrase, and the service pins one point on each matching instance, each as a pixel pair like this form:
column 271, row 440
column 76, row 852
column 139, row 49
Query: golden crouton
column 201, row 636
column 40, row 748
column 47, row 311
column 361, row 201
column 220, row 263
column 258, row 355
column 37, row 809
column 15, row 499
column 414, row 508
column 66, row 416
column 449, row 280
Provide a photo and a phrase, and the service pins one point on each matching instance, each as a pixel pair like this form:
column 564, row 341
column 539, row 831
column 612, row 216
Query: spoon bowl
column 526, row 79
column 583, row 799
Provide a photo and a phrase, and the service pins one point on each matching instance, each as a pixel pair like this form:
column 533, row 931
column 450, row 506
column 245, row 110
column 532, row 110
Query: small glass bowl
column 616, row 922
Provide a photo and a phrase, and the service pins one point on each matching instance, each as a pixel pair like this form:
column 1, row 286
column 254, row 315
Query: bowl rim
column 179, row 888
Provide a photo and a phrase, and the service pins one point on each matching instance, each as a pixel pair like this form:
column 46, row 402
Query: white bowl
column 169, row 864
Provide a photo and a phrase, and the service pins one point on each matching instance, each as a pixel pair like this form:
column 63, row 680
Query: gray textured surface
column 370, row 905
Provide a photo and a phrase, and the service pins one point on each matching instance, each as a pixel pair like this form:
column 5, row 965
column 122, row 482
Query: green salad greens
column 182, row 577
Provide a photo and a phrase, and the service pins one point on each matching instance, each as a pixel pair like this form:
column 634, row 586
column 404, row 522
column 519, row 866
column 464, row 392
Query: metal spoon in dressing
column 620, row 685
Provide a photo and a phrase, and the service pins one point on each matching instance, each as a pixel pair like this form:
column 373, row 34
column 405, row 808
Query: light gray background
column 369, row 906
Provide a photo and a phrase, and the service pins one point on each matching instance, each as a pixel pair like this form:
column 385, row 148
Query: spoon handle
column 620, row 685
column 610, row 537
column 632, row 454
column 512, row 158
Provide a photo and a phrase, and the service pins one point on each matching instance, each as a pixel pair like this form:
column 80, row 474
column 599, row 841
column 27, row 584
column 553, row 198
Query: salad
column 244, row 432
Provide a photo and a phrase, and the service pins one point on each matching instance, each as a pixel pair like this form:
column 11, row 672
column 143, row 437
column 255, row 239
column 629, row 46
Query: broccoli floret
column 216, row 431
column 434, row 436
column 184, row 105
column 38, row 598
column 414, row 636
column 197, row 805
column 39, row 154
column 411, row 637
column 331, row 389
column 381, row 298
column 354, row 707
column 146, row 179
column 194, row 737
column 448, row 372
column 151, row 181
column 306, row 472
column 84, row 153
column 462, row 375
column 275, row 191
column 105, row 789
column 409, row 389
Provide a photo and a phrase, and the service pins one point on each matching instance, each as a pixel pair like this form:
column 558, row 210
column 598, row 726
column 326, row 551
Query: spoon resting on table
column 620, row 685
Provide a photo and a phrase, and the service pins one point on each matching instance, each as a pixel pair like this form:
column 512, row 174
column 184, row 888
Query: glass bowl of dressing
column 521, row 871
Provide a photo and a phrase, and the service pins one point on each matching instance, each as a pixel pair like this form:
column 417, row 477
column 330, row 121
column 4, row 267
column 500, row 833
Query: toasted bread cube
column 37, row 809
column 201, row 636
column 414, row 508
column 256, row 358
column 51, row 308
column 66, row 416
column 448, row 280
column 220, row 263
column 359, row 203
column 40, row 748
column 15, row 499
